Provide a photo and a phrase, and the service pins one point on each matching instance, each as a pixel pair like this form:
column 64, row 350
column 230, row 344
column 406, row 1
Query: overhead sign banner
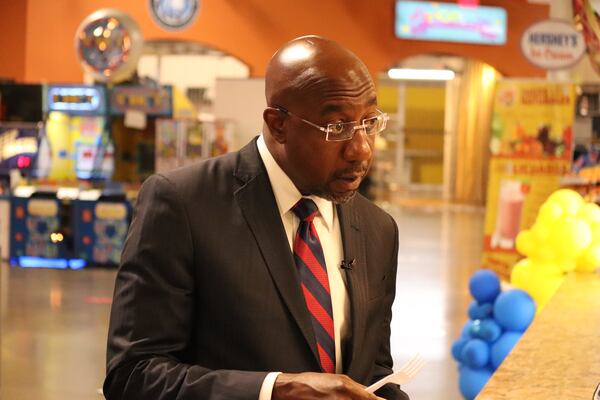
column 153, row 101
column 75, row 99
column 446, row 22
column 553, row 44
column 532, row 144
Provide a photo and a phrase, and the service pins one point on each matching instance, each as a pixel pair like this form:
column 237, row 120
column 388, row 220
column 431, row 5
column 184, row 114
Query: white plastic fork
column 403, row 375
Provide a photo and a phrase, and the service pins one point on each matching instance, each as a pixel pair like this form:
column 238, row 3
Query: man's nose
column 360, row 147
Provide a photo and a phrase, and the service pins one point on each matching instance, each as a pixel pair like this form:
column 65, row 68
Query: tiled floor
column 53, row 333
column 439, row 249
column 53, row 326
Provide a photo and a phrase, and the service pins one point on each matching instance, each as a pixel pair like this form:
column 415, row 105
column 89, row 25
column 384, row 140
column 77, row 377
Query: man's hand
column 312, row 385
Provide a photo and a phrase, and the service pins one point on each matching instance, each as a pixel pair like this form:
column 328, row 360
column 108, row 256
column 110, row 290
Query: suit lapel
column 354, row 248
column 257, row 202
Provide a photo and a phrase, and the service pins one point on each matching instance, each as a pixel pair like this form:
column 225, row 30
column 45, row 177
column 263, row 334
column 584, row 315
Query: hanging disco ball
column 109, row 44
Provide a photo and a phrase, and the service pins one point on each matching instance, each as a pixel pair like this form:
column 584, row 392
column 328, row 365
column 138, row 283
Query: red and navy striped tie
column 310, row 262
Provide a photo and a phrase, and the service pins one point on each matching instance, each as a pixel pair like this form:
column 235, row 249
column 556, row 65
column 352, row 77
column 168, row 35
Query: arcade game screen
column 20, row 103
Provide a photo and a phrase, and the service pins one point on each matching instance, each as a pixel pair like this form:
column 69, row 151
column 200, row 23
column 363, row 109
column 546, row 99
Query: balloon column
column 496, row 322
column 564, row 238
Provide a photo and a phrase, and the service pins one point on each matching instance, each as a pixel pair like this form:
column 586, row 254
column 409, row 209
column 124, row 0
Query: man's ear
column 275, row 120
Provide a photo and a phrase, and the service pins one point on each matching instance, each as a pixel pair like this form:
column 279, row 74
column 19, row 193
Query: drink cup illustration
column 508, row 219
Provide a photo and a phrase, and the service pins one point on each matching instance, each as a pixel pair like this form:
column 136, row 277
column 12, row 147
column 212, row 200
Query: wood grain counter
column 558, row 357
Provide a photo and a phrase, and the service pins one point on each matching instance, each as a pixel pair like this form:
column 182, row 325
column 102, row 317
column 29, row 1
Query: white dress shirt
column 327, row 225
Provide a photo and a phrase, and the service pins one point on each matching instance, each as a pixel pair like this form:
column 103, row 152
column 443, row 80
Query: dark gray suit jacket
column 207, row 298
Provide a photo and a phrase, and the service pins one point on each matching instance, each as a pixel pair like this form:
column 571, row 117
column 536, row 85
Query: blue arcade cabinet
column 101, row 223
column 40, row 230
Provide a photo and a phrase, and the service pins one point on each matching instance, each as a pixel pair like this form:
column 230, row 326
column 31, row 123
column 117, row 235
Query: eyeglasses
column 341, row 131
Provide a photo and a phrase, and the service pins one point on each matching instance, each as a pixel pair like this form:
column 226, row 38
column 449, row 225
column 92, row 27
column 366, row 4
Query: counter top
column 558, row 357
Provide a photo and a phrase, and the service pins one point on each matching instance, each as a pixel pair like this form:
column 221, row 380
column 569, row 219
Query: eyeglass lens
column 344, row 130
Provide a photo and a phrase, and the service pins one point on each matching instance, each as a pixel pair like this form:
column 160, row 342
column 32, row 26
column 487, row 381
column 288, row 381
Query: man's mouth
column 349, row 182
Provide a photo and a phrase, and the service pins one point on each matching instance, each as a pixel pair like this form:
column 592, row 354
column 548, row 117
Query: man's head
column 316, row 80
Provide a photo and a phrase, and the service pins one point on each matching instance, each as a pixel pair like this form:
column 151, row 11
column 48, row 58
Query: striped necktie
column 310, row 262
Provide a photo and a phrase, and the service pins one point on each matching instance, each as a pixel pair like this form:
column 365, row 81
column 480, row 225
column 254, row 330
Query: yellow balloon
column 589, row 212
column 525, row 242
column 541, row 249
column 549, row 212
column 569, row 200
column 547, row 268
column 543, row 288
column 543, row 252
column 567, row 264
column 570, row 237
column 540, row 280
column 520, row 275
column 595, row 227
column 527, row 269
column 589, row 261
column 541, row 230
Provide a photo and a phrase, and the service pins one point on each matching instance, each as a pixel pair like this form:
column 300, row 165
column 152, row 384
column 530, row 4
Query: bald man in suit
column 262, row 274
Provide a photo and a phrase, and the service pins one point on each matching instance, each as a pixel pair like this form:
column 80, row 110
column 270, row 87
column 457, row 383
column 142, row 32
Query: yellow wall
column 387, row 98
column 424, row 130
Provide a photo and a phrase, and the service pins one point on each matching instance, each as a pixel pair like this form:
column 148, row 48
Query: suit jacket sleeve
column 151, row 319
column 383, row 361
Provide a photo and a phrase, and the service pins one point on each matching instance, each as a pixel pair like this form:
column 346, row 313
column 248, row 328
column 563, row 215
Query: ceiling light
column 421, row 74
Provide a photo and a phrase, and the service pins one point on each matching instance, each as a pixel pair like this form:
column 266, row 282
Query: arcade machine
column 20, row 120
column 185, row 139
column 74, row 153
column 179, row 135
column 80, row 151
column 75, row 216
column 101, row 222
column 20, row 129
column 40, row 230
column 76, row 134
column 181, row 142
column 134, row 111
column 18, row 150
column 219, row 136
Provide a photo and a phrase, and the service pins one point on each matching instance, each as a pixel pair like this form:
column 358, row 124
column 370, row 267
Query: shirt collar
column 286, row 193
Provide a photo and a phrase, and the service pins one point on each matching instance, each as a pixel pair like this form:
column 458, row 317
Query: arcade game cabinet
column 20, row 128
column 76, row 133
column 134, row 110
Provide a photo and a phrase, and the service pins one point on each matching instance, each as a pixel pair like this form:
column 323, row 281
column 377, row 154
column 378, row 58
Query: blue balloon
column 471, row 381
column 503, row 346
column 475, row 353
column 514, row 310
column 486, row 329
column 484, row 286
column 457, row 348
column 480, row 311
column 466, row 330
